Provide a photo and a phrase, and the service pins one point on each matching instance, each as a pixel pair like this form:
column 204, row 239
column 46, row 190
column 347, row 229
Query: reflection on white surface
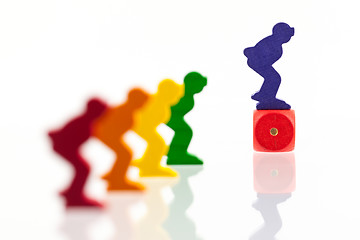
column 78, row 223
column 266, row 204
column 114, row 222
column 274, row 172
column 178, row 224
column 150, row 226
column 274, row 181
column 158, row 221
column 118, row 207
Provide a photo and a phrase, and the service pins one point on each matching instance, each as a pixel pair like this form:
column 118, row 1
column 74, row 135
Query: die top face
column 274, row 130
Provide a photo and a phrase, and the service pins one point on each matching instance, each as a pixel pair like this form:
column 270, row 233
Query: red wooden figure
column 67, row 141
column 274, row 130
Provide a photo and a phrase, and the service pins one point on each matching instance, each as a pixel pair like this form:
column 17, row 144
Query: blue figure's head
column 283, row 32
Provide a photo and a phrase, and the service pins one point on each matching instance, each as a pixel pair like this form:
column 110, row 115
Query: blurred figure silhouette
column 155, row 112
column 67, row 141
column 178, row 224
column 78, row 223
column 150, row 226
column 178, row 154
column 118, row 207
column 261, row 57
column 110, row 129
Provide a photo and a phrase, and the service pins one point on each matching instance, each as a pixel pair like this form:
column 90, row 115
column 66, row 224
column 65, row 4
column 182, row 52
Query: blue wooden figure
column 261, row 57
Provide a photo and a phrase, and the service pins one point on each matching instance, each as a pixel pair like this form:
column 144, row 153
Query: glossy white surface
column 55, row 54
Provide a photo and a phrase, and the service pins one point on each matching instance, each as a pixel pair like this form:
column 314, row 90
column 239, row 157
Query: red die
column 274, row 173
column 274, row 130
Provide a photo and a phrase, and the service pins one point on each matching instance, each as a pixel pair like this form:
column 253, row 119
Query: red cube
column 274, row 130
column 274, row 173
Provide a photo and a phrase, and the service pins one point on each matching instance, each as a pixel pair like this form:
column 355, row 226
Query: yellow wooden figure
column 154, row 112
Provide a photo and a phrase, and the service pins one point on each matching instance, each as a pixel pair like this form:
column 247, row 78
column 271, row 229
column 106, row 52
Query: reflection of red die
column 274, row 172
column 274, row 130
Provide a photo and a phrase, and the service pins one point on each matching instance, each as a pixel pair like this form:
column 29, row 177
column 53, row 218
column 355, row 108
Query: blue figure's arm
column 248, row 52
column 266, row 52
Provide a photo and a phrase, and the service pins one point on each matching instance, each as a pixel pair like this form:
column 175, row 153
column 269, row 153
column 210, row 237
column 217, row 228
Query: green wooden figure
column 178, row 154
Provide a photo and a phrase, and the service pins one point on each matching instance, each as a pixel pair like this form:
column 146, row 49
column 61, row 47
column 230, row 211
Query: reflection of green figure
column 179, row 225
column 194, row 83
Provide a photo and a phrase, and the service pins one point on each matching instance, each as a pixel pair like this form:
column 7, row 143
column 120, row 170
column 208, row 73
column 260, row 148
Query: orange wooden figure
column 110, row 129
column 274, row 130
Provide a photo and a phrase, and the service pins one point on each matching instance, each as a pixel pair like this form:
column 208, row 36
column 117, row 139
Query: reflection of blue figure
column 261, row 57
column 267, row 205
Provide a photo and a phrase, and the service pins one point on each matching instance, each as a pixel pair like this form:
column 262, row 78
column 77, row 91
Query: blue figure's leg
column 270, row 86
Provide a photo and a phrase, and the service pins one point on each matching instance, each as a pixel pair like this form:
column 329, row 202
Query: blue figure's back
column 261, row 57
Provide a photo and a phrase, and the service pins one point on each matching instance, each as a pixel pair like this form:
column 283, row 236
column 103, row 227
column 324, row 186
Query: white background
column 55, row 54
